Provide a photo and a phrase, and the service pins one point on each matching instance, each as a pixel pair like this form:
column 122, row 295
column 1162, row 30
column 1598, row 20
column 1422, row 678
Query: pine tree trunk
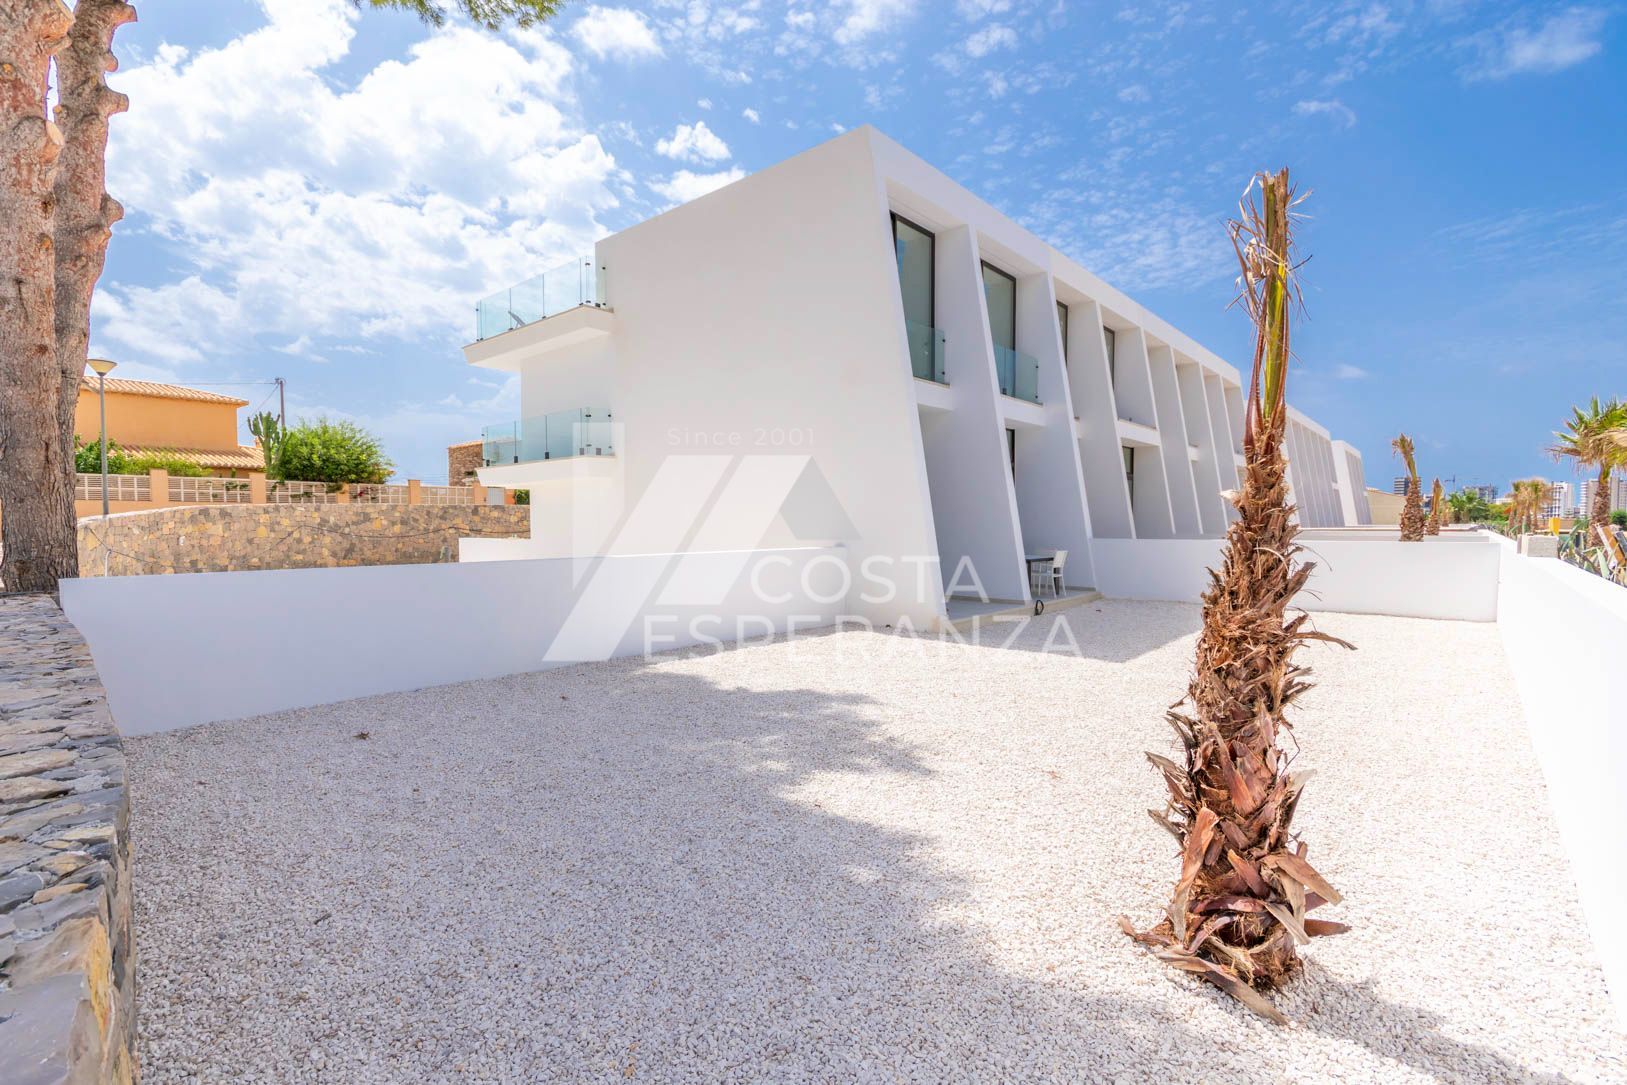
column 36, row 485
column 1600, row 513
column 85, row 213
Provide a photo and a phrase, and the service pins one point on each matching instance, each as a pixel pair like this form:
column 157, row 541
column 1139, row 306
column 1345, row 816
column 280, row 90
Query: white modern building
column 850, row 348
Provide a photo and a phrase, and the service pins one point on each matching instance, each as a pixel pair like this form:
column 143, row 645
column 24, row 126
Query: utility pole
column 282, row 404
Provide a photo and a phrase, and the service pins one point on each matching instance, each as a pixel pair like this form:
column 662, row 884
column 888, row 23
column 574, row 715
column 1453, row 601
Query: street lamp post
column 102, row 368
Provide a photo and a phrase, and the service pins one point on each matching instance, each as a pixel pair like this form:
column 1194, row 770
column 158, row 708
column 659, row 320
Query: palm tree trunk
column 36, row 465
column 1412, row 513
column 1600, row 513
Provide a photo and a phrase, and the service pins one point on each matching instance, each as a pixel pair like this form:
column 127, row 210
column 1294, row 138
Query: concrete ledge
column 67, row 958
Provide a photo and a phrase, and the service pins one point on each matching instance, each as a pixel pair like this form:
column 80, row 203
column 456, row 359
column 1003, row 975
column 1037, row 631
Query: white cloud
column 1561, row 41
column 1329, row 108
column 694, row 143
column 617, row 33
column 299, row 207
column 866, row 17
column 704, row 103
column 1347, row 372
column 1135, row 92
column 991, row 37
column 752, row 115
column 684, row 186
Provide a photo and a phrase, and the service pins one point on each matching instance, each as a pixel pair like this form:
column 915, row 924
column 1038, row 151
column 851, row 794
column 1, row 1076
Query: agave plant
column 1595, row 437
column 1432, row 526
column 1412, row 509
column 1239, row 907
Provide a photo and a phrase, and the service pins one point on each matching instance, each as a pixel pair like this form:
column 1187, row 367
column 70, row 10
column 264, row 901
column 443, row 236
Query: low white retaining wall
column 1565, row 634
column 179, row 650
column 1450, row 576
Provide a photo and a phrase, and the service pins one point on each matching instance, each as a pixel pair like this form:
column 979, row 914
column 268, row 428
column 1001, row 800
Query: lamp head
column 101, row 366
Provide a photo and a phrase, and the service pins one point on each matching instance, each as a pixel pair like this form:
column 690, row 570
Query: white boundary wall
column 179, row 650
column 1451, row 576
column 1565, row 635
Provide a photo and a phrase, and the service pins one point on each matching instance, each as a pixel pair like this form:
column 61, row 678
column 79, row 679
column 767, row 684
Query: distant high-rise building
column 1618, row 494
column 1561, row 501
column 1400, row 485
column 1487, row 494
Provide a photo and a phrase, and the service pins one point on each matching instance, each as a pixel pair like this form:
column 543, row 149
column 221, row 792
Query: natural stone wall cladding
column 206, row 539
column 67, row 959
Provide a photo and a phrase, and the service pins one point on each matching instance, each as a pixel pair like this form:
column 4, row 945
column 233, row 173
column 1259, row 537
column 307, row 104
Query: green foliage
column 491, row 14
column 335, row 452
column 522, row 497
column 163, row 461
column 87, row 458
column 1468, row 507
column 1619, row 517
column 268, row 430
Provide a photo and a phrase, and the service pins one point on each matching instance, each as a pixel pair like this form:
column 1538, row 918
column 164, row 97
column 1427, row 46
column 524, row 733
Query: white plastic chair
column 1058, row 561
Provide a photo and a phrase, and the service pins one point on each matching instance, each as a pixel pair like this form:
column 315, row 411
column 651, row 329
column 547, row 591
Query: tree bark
column 36, row 492
column 85, row 213
column 1600, row 513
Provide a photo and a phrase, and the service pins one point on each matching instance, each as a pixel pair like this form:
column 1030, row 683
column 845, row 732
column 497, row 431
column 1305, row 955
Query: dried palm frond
column 1239, row 906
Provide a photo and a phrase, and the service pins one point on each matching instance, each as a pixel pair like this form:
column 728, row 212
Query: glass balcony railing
column 580, row 431
column 579, row 282
column 1018, row 373
column 926, row 351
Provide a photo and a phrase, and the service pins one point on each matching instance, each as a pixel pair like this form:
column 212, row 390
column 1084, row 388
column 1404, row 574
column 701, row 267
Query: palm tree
column 1530, row 495
column 1433, row 525
column 1239, row 906
column 1412, row 510
column 1595, row 437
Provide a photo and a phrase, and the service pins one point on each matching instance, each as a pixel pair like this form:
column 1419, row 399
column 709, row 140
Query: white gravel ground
column 851, row 858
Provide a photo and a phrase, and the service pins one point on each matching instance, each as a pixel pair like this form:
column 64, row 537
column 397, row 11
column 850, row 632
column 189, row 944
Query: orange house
column 187, row 423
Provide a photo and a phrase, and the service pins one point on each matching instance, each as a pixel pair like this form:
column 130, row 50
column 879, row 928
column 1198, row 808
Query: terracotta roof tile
column 247, row 457
column 161, row 391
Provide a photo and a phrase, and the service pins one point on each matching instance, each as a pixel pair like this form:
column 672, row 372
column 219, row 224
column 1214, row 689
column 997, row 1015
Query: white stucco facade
column 753, row 381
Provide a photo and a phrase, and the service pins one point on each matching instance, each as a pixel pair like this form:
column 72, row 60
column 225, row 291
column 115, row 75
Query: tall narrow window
column 1000, row 290
column 913, row 247
column 1011, row 450
column 1130, row 472
column 1111, row 339
column 1062, row 327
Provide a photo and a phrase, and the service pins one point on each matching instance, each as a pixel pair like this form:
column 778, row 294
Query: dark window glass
column 913, row 247
column 1000, row 290
column 1111, row 339
column 1062, row 326
column 1130, row 469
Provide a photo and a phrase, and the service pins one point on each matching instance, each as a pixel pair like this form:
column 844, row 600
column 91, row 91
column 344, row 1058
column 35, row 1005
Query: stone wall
column 462, row 461
column 67, row 958
column 204, row 539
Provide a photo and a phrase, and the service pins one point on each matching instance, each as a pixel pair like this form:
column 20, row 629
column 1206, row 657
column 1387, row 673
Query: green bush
column 162, row 461
column 1619, row 517
column 522, row 497
column 323, row 450
column 87, row 458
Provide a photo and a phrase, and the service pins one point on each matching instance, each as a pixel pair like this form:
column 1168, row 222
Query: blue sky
column 322, row 195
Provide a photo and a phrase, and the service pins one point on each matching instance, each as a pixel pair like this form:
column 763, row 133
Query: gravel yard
column 849, row 858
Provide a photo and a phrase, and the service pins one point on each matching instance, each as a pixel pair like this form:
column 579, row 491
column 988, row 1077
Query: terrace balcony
column 562, row 307
column 510, row 451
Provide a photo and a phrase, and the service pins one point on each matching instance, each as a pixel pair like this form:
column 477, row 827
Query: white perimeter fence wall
column 1565, row 634
column 179, row 650
column 1453, row 575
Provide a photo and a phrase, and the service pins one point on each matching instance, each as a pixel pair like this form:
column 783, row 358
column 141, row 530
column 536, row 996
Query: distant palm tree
column 1595, row 437
column 1529, row 497
column 1239, row 906
column 1412, row 509
column 1433, row 525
